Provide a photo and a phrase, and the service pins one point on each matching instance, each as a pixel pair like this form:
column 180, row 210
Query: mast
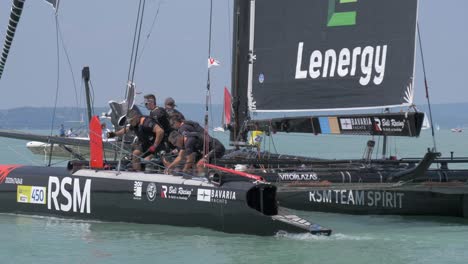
column 241, row 31
column 15, row 15
column 86, row 77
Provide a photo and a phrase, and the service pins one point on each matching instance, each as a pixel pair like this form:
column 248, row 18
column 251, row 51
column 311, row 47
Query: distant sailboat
column 426, row 124
column 457, row 130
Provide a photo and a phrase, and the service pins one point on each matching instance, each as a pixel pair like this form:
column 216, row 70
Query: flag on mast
column 213, row 62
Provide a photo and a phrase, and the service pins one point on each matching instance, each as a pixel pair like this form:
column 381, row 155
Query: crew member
column 158, row 113
column 190, row 146
column 183, row 126
column 150, row 135
column 62, row 130
column 169, row 105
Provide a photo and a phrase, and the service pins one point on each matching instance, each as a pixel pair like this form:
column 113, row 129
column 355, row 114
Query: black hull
column 400, row 187
column 234, row 207
column 424, row 199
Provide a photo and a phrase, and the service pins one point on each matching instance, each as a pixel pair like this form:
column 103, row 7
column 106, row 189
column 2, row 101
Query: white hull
column 41, row 148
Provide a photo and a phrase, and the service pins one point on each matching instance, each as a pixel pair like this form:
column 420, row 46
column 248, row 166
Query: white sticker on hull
column 76, row 201
column 151, row 192
column 384, row 199
column 31, row 194
column 137, row 186
column 17, row 181
column 215, row 196
column 178, row 193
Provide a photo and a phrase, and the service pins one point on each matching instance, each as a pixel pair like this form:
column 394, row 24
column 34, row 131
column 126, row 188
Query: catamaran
column 105, row 190
column 337, row 56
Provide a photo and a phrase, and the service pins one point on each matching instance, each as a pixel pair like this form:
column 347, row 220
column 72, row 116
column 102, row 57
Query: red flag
column 227, row 106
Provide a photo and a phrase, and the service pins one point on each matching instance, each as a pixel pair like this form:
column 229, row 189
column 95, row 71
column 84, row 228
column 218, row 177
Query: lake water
column 356, row 239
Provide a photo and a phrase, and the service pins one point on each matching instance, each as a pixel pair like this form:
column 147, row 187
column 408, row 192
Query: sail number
column 37, row 196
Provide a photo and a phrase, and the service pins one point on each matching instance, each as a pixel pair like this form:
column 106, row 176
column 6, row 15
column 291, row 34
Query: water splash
column 333, row 237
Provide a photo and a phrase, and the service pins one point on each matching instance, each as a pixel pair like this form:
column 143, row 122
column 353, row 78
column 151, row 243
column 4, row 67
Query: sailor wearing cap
column 150, row 136
column 169, row 105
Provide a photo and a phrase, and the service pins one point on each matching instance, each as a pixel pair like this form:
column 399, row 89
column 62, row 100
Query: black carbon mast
column 240, row 46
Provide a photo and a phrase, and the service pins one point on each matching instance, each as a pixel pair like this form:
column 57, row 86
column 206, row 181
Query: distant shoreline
column 446, row 116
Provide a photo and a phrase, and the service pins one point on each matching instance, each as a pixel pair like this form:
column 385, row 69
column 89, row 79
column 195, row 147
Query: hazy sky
column 99, row 33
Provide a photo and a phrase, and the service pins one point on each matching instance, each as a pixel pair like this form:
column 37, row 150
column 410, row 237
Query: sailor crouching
column 190, row 146
column 150, row 135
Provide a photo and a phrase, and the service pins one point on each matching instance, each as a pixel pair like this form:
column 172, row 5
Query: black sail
column 16, row 10
column 332, row 54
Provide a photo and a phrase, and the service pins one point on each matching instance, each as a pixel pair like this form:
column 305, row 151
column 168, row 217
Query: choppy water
column 356, row 239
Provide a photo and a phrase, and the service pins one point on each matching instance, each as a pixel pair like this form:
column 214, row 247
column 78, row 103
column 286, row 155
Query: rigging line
column 150, row 31
column 29, row 160
column 69, row 62
column 133, row 44
column 426, row 86
column 138, row 40
column 58, row 75
column 205, row 137
column 92, row 97
column 57, row 85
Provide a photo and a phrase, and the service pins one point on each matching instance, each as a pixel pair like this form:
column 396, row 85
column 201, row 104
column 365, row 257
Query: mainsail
column 15, row 15
column 329, row 55
column 325, row 55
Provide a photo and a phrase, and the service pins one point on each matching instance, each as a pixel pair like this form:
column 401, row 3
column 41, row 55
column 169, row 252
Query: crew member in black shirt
column 150, row 135
column 169, row 105
column 190, row 146
column 158, row 113
column 185, row 126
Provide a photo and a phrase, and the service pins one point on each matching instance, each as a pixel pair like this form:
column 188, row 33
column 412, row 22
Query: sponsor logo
column 367, row 63
column 151, row 192
column 69, row 190
column 204, row 195
column 261, row 78
column 215, row 196
column 336, row 19
column 31, row 194
column 5, row 170
column 356, row 123
column 137, row 186
column 389, row 124
column 171, row 192
column 346, row 124
column 383, row 199
column 13, row 180
column 377, row 124
column 298, row 176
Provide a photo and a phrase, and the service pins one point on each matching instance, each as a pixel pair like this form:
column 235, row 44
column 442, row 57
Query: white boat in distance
column 64, row 151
